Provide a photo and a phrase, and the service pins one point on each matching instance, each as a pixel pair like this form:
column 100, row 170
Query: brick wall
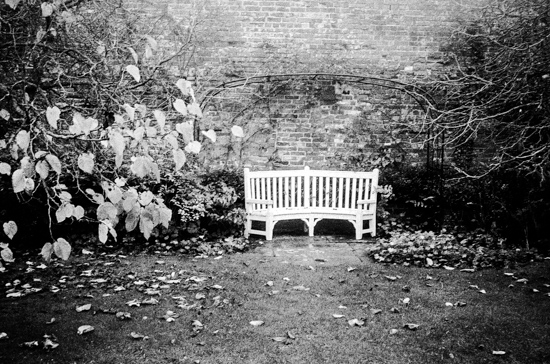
column 309, row 123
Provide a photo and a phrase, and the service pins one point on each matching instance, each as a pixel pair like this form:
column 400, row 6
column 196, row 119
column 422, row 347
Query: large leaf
column 54, row 162
column 194, row 109
column 132, row 219
column 103, row 231
column 160, row 117
column 6, row 168
column 7, row 254
column 165, row 215
column 86, row 162
column 237, row 131
column 151, row 42
column 114, row 194
column 131, row 111
column 4, row 114
column 184, row 86
column 18, row 181
column 146, row 225
column 47, row 251
column 47, row 9
column 52, row 115
column 62, row 248
column 186, row 130
column 23, row 139
column 133, row 71
column 12, row 3
column 29, row 184
column 179, row 158
column 87, row 125
column 116, row 140
column 170, row 138
column 43, row 169
column 180, row 107
column 107, row 211
column 134, row 54
column 193, row 147
column 78, row 212
column 210, row 134
column 10, row 229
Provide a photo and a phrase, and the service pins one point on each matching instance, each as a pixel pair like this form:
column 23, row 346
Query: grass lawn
column 214, row 300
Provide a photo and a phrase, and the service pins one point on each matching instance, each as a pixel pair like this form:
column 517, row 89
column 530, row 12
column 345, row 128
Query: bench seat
column 310, row 196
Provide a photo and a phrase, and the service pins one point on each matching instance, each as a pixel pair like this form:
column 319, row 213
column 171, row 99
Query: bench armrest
column 363, row 202
column 262, row 202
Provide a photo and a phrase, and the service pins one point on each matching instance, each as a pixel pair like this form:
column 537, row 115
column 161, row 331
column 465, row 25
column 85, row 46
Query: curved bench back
column 310, row 189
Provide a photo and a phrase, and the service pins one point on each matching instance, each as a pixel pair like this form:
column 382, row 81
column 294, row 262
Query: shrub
column 210, row 204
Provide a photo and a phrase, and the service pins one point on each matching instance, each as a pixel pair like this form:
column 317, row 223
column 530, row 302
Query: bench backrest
column 311, row 188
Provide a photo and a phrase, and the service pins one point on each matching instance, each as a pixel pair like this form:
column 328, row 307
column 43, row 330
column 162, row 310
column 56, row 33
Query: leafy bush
column 210, row 204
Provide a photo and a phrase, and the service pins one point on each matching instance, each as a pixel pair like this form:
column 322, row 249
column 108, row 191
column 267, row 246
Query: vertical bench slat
column 263, row 188
column 269, row 180
column 354, row 193
column 313, row 191
column 307, row 188
column 326, row 192
column 334, row 188
column 346, row 201
column 300, row 193
column 286, row 192
column 360, row 191
column 280, row 191
column 340, row 192
column 293, row 191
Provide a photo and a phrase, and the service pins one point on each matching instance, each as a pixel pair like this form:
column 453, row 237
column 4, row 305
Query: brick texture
column 309, row 123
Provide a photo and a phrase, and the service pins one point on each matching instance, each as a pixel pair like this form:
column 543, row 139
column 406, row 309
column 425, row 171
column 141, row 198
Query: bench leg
column 247, row 227
column 359, row 226
column 269, row 225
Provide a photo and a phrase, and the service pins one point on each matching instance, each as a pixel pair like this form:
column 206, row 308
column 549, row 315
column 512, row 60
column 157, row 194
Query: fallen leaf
column 84, row 329
column 256, row 323
column 150, row 301
column 133, row 303
column 123, row 316
column 468, row 270
column 269, row 283
column 393, row 331
column 3, row 336
column 411, row 327
column 375, row 311
column 391, row 278
column 351, row 269
column 30, row 344
column 482, row 291
column 279, row 339
column 51, row 321
column 138, row 336
column 449, row 304
column 498, row 352
column 337, row 315
column 49, row 344
column 356, row 322
column 82, row 308
column 300, row 288
column 406, row 300
column 394, row 310
column 342, row 306
column 508, row 274
column 448, row 268
column 522, row 280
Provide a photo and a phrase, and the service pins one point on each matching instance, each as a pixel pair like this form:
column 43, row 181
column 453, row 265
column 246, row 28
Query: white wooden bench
column 310, row 195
